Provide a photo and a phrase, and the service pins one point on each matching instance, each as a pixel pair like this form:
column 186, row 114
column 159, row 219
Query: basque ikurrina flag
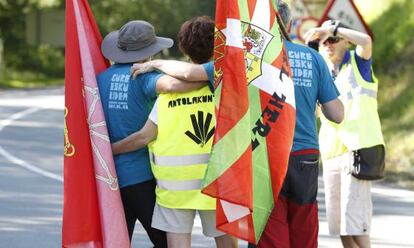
column 255, row 116
column 93, row 215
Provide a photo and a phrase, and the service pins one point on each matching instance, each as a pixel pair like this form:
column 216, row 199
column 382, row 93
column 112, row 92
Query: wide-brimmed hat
column 134, row 41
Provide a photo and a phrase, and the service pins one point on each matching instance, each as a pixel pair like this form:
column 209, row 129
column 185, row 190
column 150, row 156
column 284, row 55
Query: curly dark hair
column 196, row 39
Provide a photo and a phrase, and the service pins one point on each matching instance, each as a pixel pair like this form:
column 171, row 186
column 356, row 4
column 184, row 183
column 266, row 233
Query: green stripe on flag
column 228, row 150
column 275, row 46
column 244, row 11
column 255, row 109
column 262, row 186
column 262, row 195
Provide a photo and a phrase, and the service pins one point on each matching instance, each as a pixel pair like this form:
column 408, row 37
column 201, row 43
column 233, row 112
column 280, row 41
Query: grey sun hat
column 133, row 42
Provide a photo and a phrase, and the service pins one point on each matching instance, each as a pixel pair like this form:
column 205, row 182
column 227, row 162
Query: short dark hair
column 196, row 39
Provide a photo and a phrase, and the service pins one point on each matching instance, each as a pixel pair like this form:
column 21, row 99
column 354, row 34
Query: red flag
column 92, row 213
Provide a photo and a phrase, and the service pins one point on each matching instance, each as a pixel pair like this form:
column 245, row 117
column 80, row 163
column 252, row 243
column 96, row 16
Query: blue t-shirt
column 313, row 83
column 126, row 104
column 364, row 65
column 209, row 68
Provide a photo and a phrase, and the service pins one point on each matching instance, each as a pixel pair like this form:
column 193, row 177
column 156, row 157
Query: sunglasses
column 332, row 40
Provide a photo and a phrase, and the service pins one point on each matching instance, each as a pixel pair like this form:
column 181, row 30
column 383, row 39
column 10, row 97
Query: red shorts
column 294, row 220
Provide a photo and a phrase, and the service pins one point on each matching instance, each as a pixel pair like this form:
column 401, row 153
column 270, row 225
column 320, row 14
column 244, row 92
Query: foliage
column 394, row 66
column 28, row 79
column 12, row 25
column 396, row 108
column 394, row 32
column 17, row 53
column 166, row 15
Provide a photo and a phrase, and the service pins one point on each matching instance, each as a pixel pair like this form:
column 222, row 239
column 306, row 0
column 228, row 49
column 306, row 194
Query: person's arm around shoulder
column 168, row 84
column 178, row 69
column 136, row 140
column 333, row 110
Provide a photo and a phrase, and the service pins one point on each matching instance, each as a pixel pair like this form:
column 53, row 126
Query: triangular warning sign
column 346, row 12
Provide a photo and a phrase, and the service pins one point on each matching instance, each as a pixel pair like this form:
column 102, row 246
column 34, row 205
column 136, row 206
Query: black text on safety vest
column 202, row 132
column 190, row 100
column 269, row 114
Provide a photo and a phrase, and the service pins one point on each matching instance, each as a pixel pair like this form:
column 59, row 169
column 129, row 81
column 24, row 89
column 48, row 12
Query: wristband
column 336, row 26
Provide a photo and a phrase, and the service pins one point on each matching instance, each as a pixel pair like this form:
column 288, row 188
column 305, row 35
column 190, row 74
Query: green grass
column 396, row 108
column 394, row 66
column 25, row 80
column 40, row 83
column 394, row 36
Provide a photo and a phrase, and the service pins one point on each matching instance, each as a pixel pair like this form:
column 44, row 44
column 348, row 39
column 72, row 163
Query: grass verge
column 396, row 108
column 28, row 80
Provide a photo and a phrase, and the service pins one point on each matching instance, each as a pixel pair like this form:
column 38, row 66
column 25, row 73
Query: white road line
column 16, row 116
column 18, row 161
column 28, row 166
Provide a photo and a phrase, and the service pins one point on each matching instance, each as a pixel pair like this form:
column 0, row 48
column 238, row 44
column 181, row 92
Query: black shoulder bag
column 369, row 163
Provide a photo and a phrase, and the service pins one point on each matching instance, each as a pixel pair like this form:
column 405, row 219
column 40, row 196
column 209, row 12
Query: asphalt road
column 31, row 192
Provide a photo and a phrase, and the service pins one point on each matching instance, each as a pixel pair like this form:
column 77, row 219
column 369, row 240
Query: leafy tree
column 166, row 15
column 394, row 33
column 12, row 22
column 17, row 53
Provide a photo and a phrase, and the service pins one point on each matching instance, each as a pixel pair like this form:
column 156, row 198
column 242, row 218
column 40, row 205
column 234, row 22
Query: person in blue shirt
column 294, row 219
column 126, row 104
column 348, row 199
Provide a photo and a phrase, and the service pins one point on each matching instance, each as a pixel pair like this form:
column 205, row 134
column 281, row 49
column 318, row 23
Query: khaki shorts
column 174, row 220
column 348, row 199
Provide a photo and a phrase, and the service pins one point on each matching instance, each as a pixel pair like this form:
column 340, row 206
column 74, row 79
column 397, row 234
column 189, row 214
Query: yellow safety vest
column 361, row 126
column 180, row 154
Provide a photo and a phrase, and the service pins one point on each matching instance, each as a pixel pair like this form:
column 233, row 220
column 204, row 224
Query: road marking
column 49, row 102
column 16, row 116
column 28, row 166
column 18, row 161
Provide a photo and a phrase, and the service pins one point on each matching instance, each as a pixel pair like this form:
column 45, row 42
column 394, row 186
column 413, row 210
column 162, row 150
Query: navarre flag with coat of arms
column 255, row 116
column 93, row 215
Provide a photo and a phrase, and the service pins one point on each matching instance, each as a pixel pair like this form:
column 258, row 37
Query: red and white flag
column 93, row 215
column 255, row 102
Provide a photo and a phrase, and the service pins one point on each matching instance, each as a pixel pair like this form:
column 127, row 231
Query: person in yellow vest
column 348, row 199
column 181, row 128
